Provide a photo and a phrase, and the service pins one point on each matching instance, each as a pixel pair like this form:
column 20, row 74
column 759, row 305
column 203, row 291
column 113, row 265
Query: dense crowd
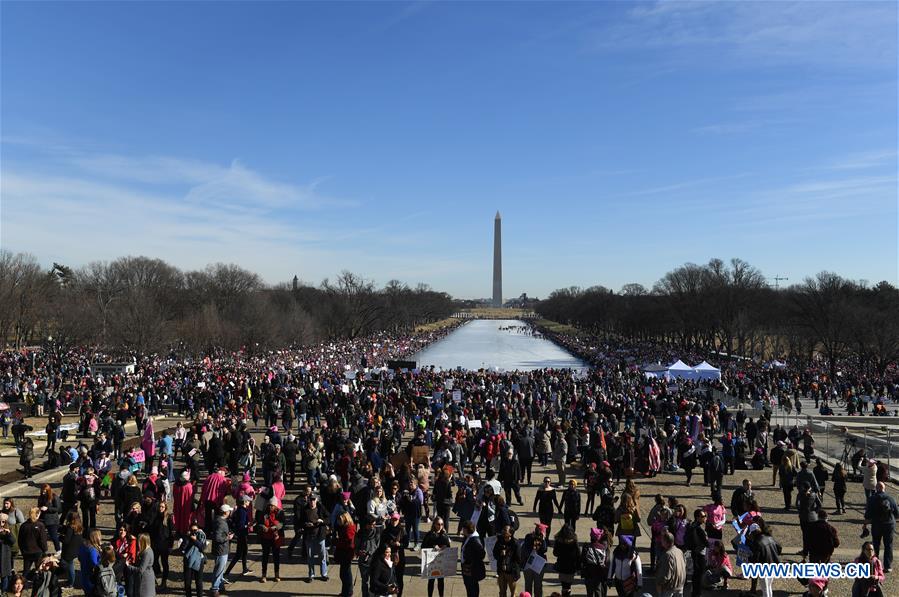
column 386, row 461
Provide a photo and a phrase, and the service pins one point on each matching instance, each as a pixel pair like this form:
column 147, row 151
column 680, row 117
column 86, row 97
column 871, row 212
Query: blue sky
column 619, row 140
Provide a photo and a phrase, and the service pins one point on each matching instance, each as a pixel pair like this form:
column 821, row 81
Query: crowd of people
column 325, row 454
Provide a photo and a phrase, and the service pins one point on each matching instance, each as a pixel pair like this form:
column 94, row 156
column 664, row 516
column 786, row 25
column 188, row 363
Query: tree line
column 146, row 305
column 729, row 307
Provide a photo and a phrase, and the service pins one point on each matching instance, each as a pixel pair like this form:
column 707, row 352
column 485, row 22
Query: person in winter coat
column 508, row 564
column 106, row 584
column 241, row 521
column 567, row 554
column 839, row 488
column 367, row 542
column 594, row 562
column 183, row 503
column 571, row 504
column 32, row 540
column 543, row 447
column 560, row 453
column 510, row 476
column 144, row 578
column 221, row 537
column 698, row 542
column 344, row 552
column 873, row 585
column 27, row 456
column 45, row 583
column 534, row 542
column 271, row 536
column 626, row 569
column 162, row 533
column 382, row 579
column 436, row 538
column 48, row 502
column 192, row 547
column 472, row 557
column 7, row 541
column 88, row 557
column 671, row 575
column 765, row 550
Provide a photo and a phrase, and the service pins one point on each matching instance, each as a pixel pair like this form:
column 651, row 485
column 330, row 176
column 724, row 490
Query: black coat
column 380, row 577
column 473, row 553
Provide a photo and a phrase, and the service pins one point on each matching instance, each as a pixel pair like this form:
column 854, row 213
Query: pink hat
column 346, row 495
column 395, row 516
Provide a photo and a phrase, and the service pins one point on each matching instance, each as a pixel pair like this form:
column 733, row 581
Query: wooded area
column 730, row 307
column 145, row 305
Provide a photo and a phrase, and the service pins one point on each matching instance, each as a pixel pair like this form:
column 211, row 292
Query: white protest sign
column 439, row 563
column 474, row 424
column 535, row 563
column 345, row 388
column 448, row 384
column 457, row 395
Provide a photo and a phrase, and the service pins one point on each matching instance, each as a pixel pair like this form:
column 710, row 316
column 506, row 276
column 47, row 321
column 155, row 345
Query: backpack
column 883, row 508
column 718, row 465
column 104, row 579
column 515, row 521
column 626, row 525
column 689, row 539
column 592, row 561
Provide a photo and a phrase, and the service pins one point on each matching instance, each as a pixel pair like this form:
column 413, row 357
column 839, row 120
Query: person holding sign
column 534, row 543
column 436, row 538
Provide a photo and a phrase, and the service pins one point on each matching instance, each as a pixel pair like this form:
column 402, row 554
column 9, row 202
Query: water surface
column 503, row 344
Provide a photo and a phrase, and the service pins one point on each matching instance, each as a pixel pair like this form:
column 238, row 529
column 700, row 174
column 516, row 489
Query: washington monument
column 498, row 261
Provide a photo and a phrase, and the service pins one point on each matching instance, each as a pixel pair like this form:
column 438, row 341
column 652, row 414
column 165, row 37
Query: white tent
column 706, row 371
column 655, row 370
column 681, row 370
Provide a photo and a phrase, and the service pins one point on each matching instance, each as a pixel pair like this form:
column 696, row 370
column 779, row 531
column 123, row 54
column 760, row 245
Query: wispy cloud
column 861, row 34
column 686, row 184
column 865, row 160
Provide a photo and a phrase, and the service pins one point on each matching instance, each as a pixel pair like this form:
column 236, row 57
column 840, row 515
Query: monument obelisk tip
column 497, row 215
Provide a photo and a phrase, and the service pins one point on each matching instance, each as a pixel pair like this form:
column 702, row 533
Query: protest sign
column 399, row 459
column 535, row 563
column 474, row 424
column 439, row 563
column 457, row 395
column 420, row 454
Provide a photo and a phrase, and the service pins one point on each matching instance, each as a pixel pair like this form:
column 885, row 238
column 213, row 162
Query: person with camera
column 192, row 548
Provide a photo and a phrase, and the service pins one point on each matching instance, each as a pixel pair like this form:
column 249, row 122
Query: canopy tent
column 655, row 370
column 706, row 371
column 681, row 370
